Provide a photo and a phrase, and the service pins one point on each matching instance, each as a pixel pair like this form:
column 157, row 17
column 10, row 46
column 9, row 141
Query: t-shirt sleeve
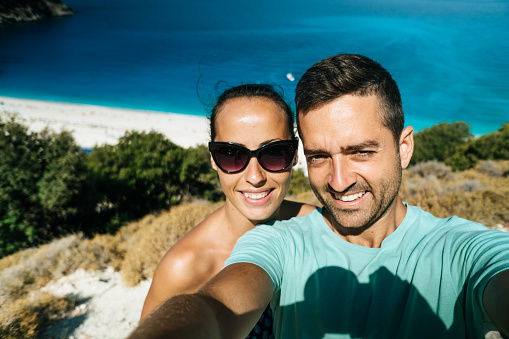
column 264, row 247
column 478, row 256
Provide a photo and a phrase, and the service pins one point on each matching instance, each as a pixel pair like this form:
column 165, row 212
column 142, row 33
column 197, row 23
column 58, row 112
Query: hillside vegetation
column 50, row 188
column 82, row 200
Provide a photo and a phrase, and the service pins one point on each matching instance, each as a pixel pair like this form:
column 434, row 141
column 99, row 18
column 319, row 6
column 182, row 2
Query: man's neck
column 374, row 234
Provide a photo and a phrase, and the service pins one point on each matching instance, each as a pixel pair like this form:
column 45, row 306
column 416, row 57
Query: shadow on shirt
column 335, row 302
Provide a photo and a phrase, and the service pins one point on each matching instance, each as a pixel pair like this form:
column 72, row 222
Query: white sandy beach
column 98, row 125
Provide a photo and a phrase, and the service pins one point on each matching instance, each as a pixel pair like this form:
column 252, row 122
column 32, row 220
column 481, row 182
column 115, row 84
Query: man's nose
column 342, row 176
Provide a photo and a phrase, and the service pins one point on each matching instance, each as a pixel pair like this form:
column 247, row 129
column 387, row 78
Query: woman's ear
column 213, row 163
column 406, row 146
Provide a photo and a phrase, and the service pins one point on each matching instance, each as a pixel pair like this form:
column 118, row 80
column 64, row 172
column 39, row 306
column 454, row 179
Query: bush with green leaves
column 49, row 187
column 492, row 146
column 42, row 177
column 439, row 142
column 197, row 178
column 146, row 172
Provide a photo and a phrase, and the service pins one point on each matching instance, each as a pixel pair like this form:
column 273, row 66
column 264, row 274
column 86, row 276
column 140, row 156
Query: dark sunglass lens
column 231, row 159
column 277, row 157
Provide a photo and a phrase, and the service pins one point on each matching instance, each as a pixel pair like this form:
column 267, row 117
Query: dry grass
column 480, row 194
column 135, row 250
column 25, row 309
column 26, row 316
column 148, row 245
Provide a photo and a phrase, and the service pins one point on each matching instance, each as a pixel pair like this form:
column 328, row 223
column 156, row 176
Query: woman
column 253, row 150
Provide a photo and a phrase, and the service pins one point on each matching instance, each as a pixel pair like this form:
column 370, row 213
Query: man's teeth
column 349, row 197
column 256, row 196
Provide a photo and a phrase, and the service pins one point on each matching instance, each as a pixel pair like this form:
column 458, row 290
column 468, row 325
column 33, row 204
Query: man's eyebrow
column 310, row 152
column 361, row 146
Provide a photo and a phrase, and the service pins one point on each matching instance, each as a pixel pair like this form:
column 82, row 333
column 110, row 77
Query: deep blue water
column 450, row 58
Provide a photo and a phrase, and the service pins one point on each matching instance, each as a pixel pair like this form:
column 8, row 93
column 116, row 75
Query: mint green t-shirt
column 426, row 280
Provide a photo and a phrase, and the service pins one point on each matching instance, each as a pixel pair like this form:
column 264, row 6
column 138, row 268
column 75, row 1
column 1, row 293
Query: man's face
column 354, row 163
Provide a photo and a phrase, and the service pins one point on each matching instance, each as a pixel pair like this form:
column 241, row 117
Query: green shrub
column 197, row 177
column 138, row 175
column 49, row 187
column 145, row 172
column 41, row 180
column 437, row 142
column 492, row 146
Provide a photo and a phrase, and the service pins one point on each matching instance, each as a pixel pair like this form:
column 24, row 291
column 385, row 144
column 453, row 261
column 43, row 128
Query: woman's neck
column 238, row 223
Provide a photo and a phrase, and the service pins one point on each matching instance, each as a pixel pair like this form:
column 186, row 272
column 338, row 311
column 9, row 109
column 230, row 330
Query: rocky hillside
column 30, row 10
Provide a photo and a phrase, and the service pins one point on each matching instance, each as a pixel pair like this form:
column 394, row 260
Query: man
column 367, row 265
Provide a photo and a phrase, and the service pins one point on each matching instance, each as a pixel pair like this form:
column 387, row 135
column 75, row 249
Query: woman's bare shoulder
column 186, row 267
column 190, row 259
column 290, row 209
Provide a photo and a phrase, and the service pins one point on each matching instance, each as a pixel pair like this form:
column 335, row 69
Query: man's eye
column 363, row 154
column 316, row 159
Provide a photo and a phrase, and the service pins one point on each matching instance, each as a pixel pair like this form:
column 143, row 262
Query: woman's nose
column 254, row 173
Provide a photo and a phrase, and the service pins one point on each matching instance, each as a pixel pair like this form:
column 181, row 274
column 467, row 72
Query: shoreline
column 93, row 125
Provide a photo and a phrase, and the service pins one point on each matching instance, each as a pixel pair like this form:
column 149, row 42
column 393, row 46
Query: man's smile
column 350, row 197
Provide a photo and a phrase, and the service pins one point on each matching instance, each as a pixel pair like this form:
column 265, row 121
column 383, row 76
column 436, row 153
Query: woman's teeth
column 255, row 196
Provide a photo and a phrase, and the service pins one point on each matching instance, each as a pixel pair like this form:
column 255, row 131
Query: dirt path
column 105, row 308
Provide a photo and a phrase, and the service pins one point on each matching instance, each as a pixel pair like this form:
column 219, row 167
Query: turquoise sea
column 450, row 58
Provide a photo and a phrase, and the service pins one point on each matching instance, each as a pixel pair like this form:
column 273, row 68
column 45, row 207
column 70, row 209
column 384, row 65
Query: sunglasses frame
column 294, row 144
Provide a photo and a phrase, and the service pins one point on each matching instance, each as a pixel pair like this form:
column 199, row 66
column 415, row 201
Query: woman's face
column 252, row 122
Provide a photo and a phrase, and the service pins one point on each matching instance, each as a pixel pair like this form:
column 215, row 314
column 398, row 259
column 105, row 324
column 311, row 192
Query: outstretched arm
column 228, row 306
column 496, row 301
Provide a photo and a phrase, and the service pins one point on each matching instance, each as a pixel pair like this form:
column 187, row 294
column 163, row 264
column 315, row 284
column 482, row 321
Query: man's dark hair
column 265, row 91
column 351, row 74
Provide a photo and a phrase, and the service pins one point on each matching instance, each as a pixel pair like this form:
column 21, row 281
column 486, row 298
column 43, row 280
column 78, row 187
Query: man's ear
column 213, row 163
column 406, row 146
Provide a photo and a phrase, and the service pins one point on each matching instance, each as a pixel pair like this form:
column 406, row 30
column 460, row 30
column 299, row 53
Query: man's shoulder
column 446, row 226
column 421, row 216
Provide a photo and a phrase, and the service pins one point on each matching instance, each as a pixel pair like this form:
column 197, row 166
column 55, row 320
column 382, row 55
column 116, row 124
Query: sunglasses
column 273, row 157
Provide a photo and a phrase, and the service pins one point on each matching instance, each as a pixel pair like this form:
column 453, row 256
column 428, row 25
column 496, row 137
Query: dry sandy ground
column 98, row 125
column 105, row 307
